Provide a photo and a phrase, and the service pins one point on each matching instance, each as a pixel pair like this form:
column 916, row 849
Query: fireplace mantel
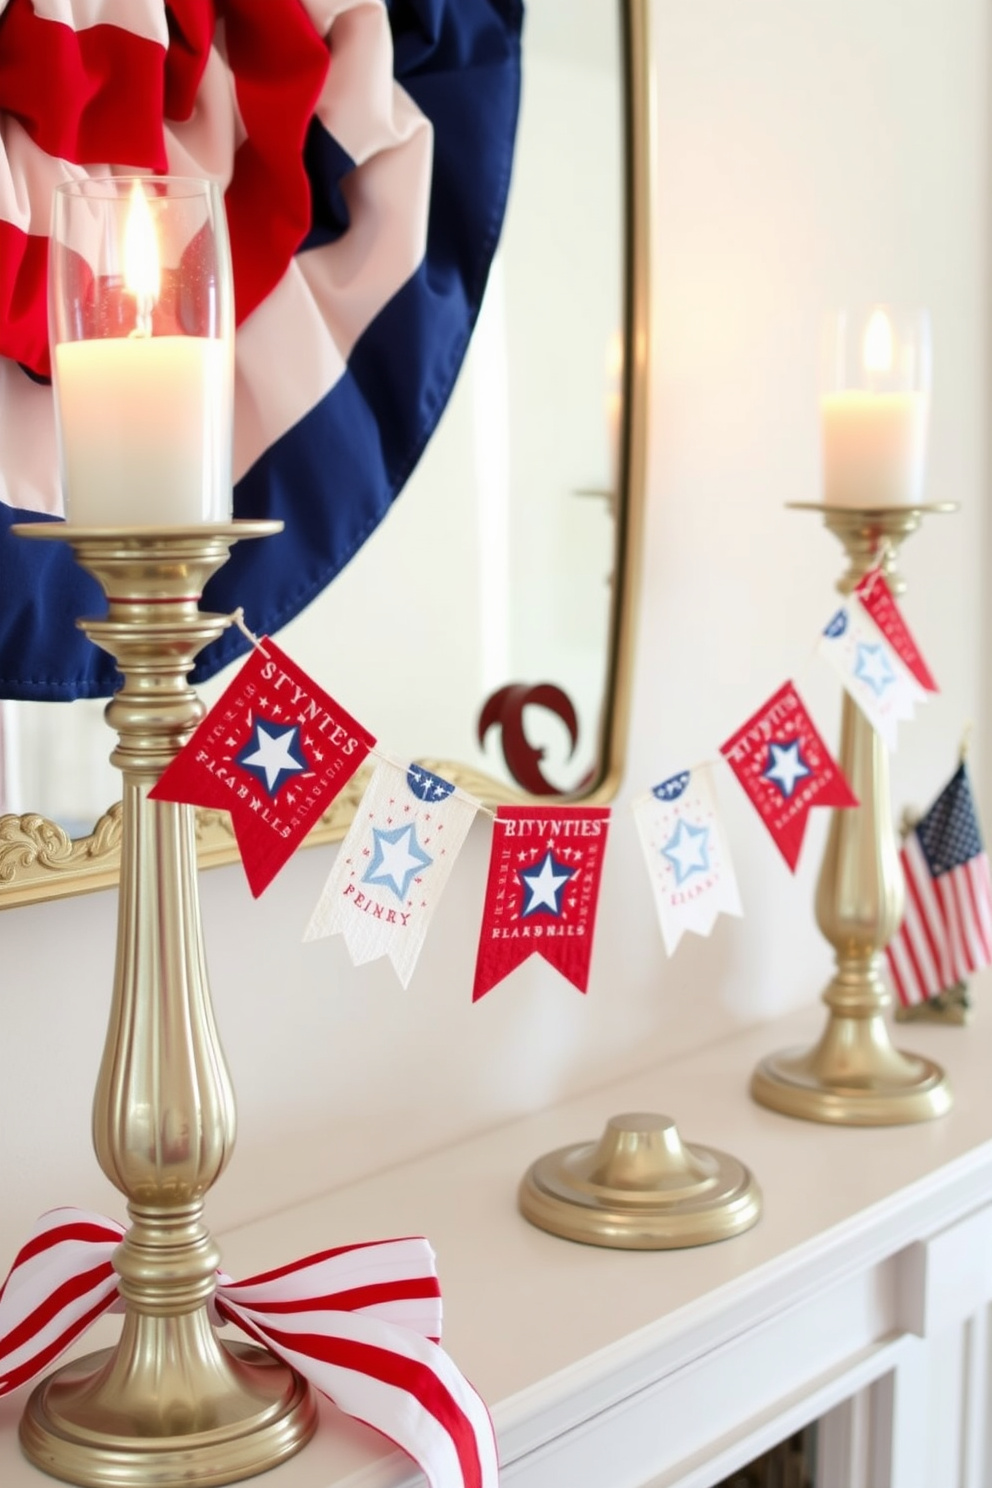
column 859, row 1299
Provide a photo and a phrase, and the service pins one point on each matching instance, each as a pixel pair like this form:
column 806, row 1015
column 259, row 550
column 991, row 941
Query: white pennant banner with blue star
column 688, row 859
column 871, row 670
column 392, row 866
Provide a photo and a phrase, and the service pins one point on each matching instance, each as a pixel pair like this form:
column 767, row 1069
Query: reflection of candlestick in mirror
column 142, row 354
column 874, row 409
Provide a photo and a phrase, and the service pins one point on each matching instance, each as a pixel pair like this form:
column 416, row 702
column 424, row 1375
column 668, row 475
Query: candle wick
column 144, row 305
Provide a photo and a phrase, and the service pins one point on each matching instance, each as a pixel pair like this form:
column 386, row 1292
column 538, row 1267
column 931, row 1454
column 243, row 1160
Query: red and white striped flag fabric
column 364, row 152
column 947, row 925
column 361, row 1322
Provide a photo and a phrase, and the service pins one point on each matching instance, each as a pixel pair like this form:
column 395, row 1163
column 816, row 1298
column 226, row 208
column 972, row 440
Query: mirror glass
column 477, row 624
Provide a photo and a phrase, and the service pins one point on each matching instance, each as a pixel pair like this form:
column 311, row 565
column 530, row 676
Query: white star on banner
column 787, row 766
column 545, row 886
column 272, row 754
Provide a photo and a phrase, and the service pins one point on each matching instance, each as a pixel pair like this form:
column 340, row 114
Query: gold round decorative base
column 640, row 1188
column 909, row 1089
column 69, row 1433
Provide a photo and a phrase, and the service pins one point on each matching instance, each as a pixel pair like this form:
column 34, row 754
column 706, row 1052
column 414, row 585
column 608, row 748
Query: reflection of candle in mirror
column 614, row 405
column 143, row 418
column 874, row 433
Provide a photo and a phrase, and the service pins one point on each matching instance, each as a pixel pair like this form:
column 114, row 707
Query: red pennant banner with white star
column 786, row 769
column 878, row 599
column 541, row 895
column 274, row 751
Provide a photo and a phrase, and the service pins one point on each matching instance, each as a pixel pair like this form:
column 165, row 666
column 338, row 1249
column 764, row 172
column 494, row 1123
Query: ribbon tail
column 392, row 1379
column 61, row 1281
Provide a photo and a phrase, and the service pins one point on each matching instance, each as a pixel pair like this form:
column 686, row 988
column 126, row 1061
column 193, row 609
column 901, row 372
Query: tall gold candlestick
column 171, row 1403
column 854, row 1075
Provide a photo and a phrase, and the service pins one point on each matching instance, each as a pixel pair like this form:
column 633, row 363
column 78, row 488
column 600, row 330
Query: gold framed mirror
column 586, row 87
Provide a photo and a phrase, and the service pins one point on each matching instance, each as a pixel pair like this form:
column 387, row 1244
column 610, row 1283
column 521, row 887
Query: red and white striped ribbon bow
column 361, row 1322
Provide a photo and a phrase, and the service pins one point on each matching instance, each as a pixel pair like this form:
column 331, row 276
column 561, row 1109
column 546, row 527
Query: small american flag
column 947, row 927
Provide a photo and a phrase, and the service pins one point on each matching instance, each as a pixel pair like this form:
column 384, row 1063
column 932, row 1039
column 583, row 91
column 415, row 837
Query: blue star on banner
column 434, row 819
column 397, row 859
column 687, row 850
column 545, row 885
column 785, row 766
column 873, row 667
column 272, row 754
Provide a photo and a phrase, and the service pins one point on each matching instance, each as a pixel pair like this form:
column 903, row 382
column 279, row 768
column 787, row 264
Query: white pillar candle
column 144, row 427
column 874, row 414
column 142, row 354
column 874, row 448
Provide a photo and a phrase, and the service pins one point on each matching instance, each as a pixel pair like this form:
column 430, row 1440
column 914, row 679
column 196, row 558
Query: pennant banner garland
column 541, row 895
column 274, row 751
column 687, row 855
column 393, row 865
column 786, row 769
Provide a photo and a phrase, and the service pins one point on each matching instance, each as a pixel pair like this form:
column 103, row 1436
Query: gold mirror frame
column 38, row 858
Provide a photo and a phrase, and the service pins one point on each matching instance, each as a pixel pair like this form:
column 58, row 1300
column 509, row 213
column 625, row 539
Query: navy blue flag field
column 946, row 932
column 366, row 162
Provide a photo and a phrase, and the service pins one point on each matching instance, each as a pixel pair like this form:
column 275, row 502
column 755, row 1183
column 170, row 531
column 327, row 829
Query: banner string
column 238, row 618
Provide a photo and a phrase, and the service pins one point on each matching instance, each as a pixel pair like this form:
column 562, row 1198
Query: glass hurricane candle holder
column 142, row 339
column 875, row 407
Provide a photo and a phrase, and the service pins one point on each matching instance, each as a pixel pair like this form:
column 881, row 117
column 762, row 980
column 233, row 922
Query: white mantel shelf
column 610, row 1369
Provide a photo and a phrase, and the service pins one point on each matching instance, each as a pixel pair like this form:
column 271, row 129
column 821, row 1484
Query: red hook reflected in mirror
column 505, row 708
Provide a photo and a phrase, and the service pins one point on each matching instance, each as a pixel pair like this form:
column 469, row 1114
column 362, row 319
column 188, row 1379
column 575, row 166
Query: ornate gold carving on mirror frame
column 39, row 860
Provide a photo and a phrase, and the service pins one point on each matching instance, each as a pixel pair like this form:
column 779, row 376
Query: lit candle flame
column 142, row 274
column 878, row 343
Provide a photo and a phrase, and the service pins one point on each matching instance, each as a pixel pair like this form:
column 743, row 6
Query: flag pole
column 854, row 1076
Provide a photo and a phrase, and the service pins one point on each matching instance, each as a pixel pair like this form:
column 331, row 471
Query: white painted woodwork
column 860, row 1299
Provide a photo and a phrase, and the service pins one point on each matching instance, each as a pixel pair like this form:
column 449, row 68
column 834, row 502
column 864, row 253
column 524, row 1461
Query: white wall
column 808, row 154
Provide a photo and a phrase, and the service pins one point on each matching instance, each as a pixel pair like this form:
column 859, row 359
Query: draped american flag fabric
column 364, row 147
column 946, row 931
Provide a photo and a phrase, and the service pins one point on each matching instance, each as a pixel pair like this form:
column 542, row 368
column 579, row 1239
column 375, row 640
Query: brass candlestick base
column 640, row 1187
column 854, row 1075
column 171, row 1403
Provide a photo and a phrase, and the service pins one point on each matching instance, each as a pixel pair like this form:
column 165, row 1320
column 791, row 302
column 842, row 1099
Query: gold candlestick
column 854, row 1075
column 171, row 1403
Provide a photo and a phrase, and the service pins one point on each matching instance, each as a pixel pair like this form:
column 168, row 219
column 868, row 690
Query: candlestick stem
column 171, row 1403
column 854, row 1075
